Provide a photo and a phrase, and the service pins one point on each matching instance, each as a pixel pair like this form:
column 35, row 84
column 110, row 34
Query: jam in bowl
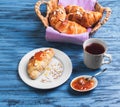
column 83, row 84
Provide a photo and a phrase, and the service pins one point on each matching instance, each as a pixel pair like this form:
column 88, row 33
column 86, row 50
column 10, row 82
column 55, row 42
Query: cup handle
column 109, row 59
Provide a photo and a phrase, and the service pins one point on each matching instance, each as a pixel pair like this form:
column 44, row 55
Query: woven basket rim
column 52, row 3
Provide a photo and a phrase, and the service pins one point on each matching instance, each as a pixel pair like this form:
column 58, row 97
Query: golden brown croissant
column 84, row 18
column 38, row 62
column 74, row 9
column 57, row 20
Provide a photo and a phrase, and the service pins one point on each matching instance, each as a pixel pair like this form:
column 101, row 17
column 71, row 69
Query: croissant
column 38, row 62
column 74, row 9
column 84, row 18
column 57, row 19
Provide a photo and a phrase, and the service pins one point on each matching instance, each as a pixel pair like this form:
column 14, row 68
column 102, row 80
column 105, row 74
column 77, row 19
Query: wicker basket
column 51, row 4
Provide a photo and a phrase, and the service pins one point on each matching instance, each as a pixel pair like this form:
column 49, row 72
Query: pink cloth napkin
column 54, row 36
column 86, row 4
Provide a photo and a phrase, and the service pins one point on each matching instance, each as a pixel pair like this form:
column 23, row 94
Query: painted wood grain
column 21, row 31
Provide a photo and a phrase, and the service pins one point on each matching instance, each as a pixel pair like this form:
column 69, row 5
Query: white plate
column 59, row 57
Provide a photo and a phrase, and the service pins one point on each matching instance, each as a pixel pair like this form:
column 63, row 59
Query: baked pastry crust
column 83, row 17
column 38, row 62
column 57, row 19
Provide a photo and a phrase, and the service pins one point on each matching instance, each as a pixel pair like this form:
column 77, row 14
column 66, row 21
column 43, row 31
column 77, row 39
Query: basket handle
column 38, row 12
column 108, row 11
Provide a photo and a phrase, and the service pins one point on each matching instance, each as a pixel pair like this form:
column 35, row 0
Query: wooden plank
column 21, row 31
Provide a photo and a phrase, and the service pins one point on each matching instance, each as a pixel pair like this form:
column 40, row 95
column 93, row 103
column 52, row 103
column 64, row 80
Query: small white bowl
column 85, row 76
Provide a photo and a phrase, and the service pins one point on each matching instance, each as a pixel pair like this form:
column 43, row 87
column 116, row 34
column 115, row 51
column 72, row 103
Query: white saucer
column 85, row 76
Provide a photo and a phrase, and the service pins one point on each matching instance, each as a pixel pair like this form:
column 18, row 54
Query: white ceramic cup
column 94, row 61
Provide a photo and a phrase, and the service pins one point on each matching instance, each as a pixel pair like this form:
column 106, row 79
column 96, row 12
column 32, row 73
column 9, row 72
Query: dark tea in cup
column 95, row 51
column 95, row 48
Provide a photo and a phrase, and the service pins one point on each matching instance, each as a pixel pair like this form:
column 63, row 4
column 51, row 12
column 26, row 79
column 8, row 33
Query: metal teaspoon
column 96, row 74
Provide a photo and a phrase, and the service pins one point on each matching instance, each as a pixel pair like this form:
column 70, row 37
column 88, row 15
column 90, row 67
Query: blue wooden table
column 21, row 31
